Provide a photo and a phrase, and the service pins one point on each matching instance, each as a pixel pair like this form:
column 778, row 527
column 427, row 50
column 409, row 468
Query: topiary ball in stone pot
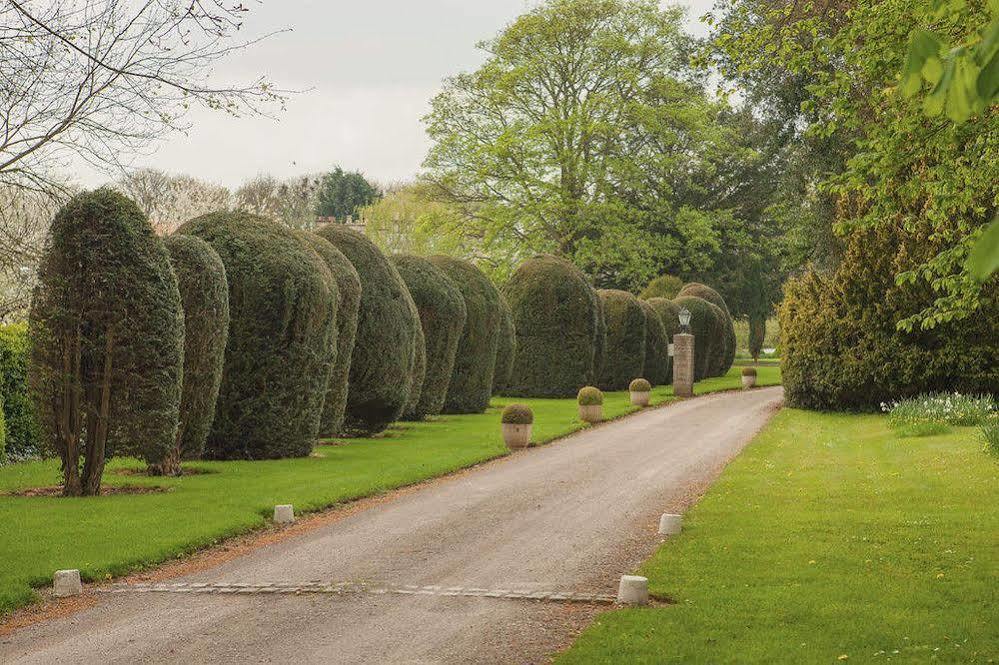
column 641, row 391
column 748, row 377
column 591, row 404
column 517, row 420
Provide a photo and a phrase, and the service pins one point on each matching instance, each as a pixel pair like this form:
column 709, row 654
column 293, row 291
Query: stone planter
column 748, row 382
column 516, row 437
column 591, row 413
column 640, row 398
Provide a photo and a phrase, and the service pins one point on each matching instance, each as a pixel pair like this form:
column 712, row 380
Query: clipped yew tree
column 441, row 309
column 349, row 290
column 471, row 383
column 382, row 365
column 703, row 326
column 669, row 315
column 204, row 294
column 107, row 333
column 664, row 286
column 625, row 355
column 556, row 315
column 506, row 349
column 720, row 342
column 656, row 369
column 699, row 290
column 600, row 341
column 282, row 316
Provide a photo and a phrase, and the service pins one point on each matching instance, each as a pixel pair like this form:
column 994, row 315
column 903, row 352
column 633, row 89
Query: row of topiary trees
column 239, row 338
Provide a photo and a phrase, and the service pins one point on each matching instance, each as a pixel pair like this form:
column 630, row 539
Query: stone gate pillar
column 683, row 365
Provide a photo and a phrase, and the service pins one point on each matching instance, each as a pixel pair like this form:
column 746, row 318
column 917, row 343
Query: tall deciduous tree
column 99, row 79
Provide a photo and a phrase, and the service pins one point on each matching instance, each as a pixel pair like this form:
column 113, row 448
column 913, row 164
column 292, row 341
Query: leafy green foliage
column 841, row 350
column 348, row 304
column 704, row 328
column 204, row 295
column 107, row 330
column 625, row 355
column 342, row 194
column 282, row 305
column 664, row 286
column 707, row 293
column 589, row 396
column 471, row 383
column 441, row 308
column 556, row 321
column 757, row 336
column 517, row 414
column 18, row 407
column 381, row 367
column 657, row 361
column 506, row 352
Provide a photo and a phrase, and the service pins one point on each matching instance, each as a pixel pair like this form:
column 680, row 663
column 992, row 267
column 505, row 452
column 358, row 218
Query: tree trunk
column 97, row 429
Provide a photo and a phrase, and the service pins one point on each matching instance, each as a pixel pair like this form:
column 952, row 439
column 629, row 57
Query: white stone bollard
column 633, row 590
column 67, row 583
column 284, row 514
column 670, row 524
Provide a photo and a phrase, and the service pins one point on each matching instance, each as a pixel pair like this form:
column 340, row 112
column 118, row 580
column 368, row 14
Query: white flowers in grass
column 933, row 413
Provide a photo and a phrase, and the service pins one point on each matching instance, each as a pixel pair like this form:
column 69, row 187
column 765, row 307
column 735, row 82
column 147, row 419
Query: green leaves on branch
column 984, row 257
column 964, row 80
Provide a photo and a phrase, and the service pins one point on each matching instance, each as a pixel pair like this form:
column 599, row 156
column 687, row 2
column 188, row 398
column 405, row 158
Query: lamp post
column 684, row 320
column 683, row 357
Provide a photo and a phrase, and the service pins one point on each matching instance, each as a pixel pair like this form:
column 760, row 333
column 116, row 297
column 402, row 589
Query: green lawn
column 113, row 535
column 827, row 540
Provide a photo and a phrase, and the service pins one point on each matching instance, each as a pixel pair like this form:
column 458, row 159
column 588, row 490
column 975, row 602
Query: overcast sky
column 370, row 68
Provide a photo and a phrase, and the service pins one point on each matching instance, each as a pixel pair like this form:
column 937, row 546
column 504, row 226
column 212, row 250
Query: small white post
column 67, row 583
column 633, row 590
column 670, row 524
column 284, row 514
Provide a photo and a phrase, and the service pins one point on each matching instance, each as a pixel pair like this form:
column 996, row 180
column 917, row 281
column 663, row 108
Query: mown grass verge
column 828, row 540
column 113, row 535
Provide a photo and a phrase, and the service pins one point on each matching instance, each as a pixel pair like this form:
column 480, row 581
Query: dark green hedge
column 441, row 308
column 657, row 368
column 506, row 350
column 625, row 357
column 707, row 293
column 3, row 434
column 703, row 326
column 556, row 321
column 381, row 369
column 204, row 294
column 664, row 286
column 349, row 287
column 600, row 338
column 669, row 314
column 18, row 409
column 841, row 349
column 106, row 288
column 472, row 378
column 282, row 304
column 719, row 342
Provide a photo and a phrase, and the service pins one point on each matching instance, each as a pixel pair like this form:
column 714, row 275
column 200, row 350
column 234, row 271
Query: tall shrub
column 707, row 293
column 3, row 434
column 204, row 294
column 757, row 335
column 472, row 378
column 107, row 332
column 842, row 350
column 555, row 314
column 349, row 290
column 656, row 369
column 664, row 286
column 703, row 327
column 281, row 303
column 720, row 343
column 381, row 368
column 441, row 308
column 18, row 408
column 600, row 341
column 669, row 314
column 625, row 357
column 506, row 350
